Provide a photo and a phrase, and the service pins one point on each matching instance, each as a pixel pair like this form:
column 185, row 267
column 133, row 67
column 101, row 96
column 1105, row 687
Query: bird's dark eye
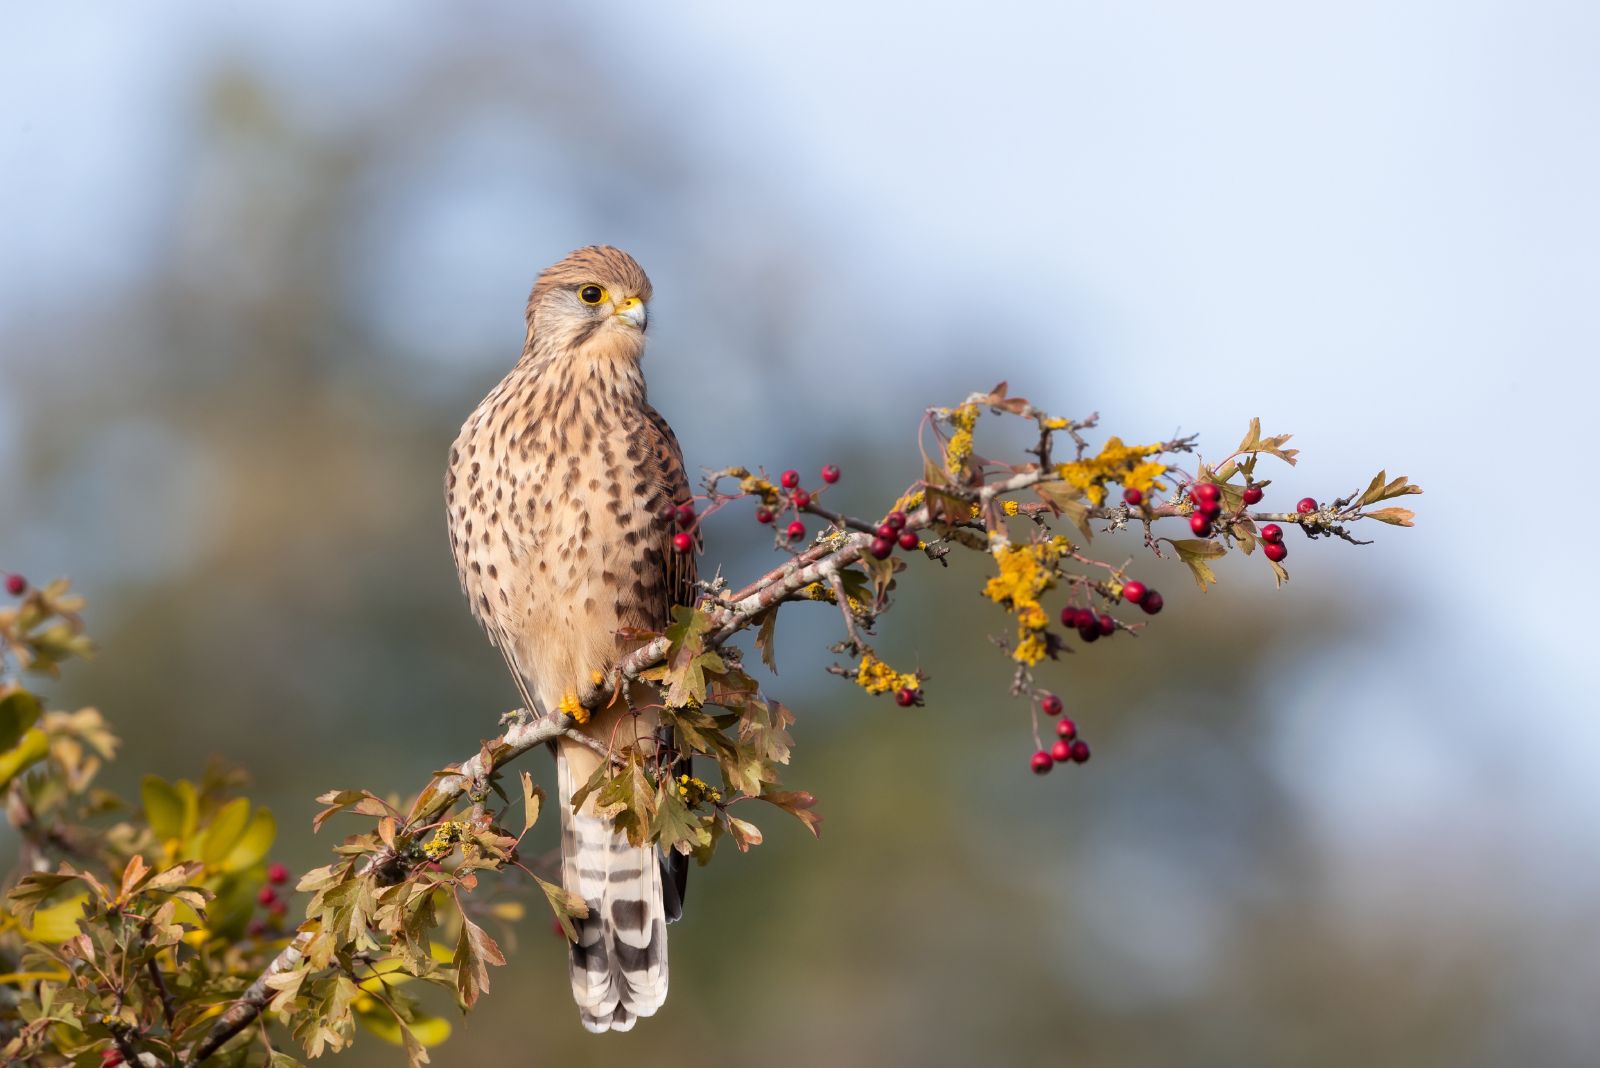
column 592, row 294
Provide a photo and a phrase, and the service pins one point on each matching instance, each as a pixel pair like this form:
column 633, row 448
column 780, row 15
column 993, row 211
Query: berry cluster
column 267, row 897
column 1068, row 746
column 1207, row 498
column 891, row 532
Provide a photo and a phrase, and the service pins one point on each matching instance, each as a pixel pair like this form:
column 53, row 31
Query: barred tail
column 618, row 965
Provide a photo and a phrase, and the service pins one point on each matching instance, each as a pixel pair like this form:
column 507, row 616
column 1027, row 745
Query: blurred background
column 258, row 262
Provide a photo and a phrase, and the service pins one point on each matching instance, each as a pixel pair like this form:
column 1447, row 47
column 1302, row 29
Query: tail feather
column 618, row 965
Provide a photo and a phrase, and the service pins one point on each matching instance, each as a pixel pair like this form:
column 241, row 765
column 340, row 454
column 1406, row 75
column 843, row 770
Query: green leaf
column 675, row 825
column 34, row 747
column 424, row 1028
column 566, row 905
column 1195, row 552
column 56, row 923
column 1068, row 500
column 252, row 846
column 19, row 710
column 164, row 807
column 224, row 830
column 688, row 660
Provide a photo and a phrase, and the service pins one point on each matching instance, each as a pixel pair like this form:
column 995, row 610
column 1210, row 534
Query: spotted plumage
column 559, row 491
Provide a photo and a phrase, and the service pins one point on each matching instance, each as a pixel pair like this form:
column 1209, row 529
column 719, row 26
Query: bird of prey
column 560, row 493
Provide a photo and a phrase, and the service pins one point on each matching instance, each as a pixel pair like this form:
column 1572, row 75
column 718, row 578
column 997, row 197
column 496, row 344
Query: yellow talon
column 571, row 706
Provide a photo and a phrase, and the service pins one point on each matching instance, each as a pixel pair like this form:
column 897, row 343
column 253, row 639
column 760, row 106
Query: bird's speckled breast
column 551, row 505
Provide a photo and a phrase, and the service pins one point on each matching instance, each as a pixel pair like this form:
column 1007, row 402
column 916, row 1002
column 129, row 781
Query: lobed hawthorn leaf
column 675, row 825
column 1195, row 552
column 1273, row 446
column 688, row 660
column 1068, row 500
column 1398, row 517
column 744, row 833
column 33, row 747
column 798, row 804
column 532, row 797
column 475, row 951
column 766, row 637
column 1381, row 489
column 566, row 905
column 1279, row 573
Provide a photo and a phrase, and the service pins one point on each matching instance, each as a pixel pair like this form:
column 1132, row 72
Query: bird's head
column 595, row 302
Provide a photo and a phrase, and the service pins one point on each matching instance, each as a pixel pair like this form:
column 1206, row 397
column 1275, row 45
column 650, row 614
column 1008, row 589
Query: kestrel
column 559, row 492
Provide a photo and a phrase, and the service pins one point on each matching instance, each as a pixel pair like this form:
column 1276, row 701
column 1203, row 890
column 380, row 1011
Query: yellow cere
column 874, row 676
column 1116, row 463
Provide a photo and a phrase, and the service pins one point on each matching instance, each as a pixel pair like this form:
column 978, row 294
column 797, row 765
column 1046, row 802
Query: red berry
column 763, row 514
column 683, row 541
column 277, row 874
column 1306, row 506
column 684, row 515
column 1069, row 616
column 1107, row 625
column 790, row 479
column 881, row 548
column 1041, row 763
column 266, row 895
column 1067, row 729
column 1275, row 551
column 1133, row 592
column 1210, row 509
column 909, row 540
column 1152, row 603
column 887, row 532
column 278, row 910
column 1050, row 705
column 16, row 585
column 1206, row 491
column 1133, row 497
column 1061, row 752
column 801, row 498
column 895, row 519
column 905, row 697
column 796, row 530
column 830, row 473
column 1090, row 631
column 256, row 929
column 666, row 512
column 1200, row 523
column 1253, row 495
column 1080, row 752
column 1272, row 532
column 110, row 1058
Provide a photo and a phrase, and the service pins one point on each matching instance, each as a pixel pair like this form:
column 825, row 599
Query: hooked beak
column 633, row 311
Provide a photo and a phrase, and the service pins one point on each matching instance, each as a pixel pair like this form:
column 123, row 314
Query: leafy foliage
column 134, row 932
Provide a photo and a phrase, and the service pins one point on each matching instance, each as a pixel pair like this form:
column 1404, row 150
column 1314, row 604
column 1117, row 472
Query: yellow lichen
column 1026, row 572
column 694, row 790
column 959, row 450
column 1116, row 463
column 874, row 676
